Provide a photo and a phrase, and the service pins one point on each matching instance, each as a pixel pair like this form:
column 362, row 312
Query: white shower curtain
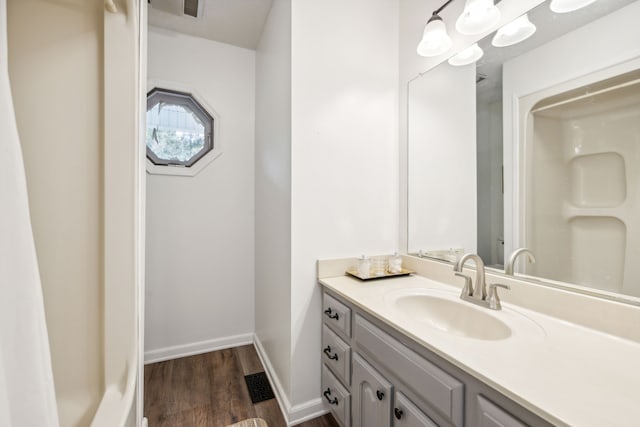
column 27, row 396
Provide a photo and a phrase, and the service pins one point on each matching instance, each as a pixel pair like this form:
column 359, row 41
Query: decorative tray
column 403, row 272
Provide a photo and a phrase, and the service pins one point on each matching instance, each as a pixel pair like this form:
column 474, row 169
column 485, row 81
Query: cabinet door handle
column 328, row 312
column 380, row 394
column 327, row 351
column 398, row 412
column 326, row 394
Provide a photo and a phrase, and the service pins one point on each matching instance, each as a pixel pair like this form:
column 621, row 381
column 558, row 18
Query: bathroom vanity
column 408, row 352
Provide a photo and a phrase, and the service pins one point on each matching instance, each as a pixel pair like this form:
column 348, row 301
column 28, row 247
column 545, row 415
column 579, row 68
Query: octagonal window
column 179, row 129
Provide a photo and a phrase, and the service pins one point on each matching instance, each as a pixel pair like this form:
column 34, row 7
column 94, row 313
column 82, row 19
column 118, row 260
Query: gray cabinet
column 371, row 394
column 374, row 376
column 336, row 354
column 337, row 315
column 442, row 392
column 337, row 397
column 490, row 415
column 336, row 358
column 406, row 414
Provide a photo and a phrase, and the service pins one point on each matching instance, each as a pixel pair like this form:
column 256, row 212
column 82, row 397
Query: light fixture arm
column 441, row 8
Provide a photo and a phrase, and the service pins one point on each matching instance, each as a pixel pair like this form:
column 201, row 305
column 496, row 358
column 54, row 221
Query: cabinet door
column 406, row 414
column 371, row 396
column 491, row 415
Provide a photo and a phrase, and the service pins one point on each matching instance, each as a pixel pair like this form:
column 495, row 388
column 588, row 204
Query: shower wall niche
column 582, row 185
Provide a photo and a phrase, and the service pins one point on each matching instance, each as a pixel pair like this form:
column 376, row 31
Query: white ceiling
column 236, row 22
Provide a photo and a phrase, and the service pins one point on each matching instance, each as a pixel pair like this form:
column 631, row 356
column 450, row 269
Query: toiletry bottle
column 364, row 267
column 395, row 263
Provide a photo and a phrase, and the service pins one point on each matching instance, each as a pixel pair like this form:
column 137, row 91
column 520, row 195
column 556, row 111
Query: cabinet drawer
column 336, row 354
column 444, row 393
column 406, row 414
column 336, row 397
column 337, row 315
column 491, row 415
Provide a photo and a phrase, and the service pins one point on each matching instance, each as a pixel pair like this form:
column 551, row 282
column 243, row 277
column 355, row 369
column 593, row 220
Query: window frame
column 195, row 102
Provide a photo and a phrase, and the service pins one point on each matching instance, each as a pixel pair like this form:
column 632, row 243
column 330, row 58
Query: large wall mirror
column 537, row 145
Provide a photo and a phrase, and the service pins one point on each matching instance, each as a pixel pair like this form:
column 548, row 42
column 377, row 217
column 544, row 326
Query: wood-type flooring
column 208, row 390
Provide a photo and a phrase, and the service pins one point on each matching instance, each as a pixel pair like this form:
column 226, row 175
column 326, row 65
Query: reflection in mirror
column 580, row 172
column 549, row 159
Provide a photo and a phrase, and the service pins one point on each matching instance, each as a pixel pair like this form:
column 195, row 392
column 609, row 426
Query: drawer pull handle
column 380, row 394
column 327, row 351
column 398, row 412
column 327, row 393
column 328, row 312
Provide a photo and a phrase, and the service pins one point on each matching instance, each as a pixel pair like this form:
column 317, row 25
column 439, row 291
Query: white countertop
column 563, row 372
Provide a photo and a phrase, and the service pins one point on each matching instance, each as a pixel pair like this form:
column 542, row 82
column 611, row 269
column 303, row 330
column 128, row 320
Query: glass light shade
column 478, row 16
column 564, row 6
column 435, row 40
column 467, row 56
column 514, row 32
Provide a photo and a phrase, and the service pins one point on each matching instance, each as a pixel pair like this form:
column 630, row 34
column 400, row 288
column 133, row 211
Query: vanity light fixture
column 478, row 16
column 467, row 56
column 435, row 40
column 514, row 32
column 564, row 6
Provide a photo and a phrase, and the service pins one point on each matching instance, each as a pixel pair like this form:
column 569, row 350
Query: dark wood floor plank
column 323, row 421
column 189, row 382
column 208, row 390
column 157, row 399
column 203, row 416
column 248, row 359
column 270, row 412
column 229, row 394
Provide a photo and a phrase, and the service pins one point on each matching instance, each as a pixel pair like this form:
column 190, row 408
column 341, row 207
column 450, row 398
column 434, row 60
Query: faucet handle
column 467, row 290
column 492, row 296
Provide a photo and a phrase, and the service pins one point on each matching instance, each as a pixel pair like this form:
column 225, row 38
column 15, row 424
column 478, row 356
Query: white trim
column 292, row 415
column 141, row 204
column 191, row 349
column 198, row 166
column 281, row 396
column 306, row 411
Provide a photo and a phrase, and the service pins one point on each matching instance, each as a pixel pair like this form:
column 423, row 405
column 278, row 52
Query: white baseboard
column 292, row 414
column 183, row 350
column 306, row 411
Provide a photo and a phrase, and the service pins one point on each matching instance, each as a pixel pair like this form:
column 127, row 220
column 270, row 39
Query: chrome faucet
column 509, row 268
column 478, row 293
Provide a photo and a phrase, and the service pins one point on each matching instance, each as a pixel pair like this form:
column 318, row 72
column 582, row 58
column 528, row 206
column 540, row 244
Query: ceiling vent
column 179, row 7
column 191, row 8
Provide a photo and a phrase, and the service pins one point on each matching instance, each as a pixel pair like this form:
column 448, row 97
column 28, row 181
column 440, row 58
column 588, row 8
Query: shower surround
column 582, row 184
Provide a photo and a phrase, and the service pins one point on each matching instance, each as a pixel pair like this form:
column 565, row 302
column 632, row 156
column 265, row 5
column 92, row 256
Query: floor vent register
column 259, row 387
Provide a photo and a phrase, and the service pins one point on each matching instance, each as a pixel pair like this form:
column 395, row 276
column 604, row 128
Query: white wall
column 326, row 170
column 273, row 192
column 200, row 230
column 56, row 79
column 344, row 155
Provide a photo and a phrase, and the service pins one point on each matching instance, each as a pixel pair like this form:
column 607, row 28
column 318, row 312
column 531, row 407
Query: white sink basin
column 455, row 317
column 446, row 312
